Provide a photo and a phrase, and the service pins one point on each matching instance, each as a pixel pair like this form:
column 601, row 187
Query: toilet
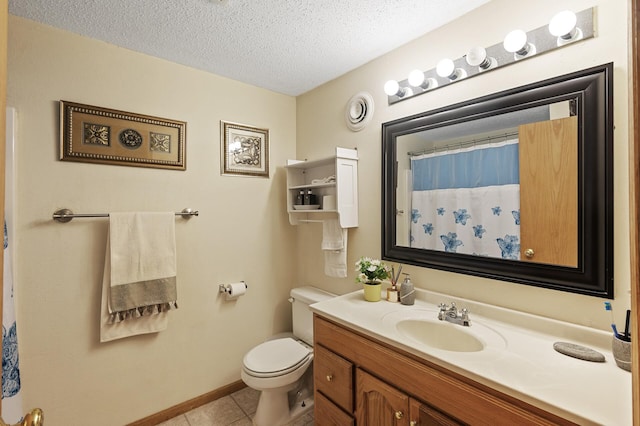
column 281, row 368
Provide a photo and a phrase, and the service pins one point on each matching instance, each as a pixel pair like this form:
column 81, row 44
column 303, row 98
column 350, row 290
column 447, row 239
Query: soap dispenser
column 407, row 292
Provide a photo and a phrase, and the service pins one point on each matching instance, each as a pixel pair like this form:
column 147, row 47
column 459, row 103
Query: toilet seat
column 276, row 357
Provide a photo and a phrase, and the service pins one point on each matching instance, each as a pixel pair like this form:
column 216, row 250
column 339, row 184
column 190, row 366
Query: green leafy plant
column 371, row 271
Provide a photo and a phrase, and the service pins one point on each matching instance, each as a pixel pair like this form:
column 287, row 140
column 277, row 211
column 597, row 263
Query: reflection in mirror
column 514, row 186
column 462, row 187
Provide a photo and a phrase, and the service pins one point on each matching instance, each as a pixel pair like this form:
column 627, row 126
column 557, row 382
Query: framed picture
column 245, row 150
column 99, row 135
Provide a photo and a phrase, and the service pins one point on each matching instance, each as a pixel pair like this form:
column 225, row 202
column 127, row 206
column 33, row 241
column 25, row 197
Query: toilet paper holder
column 226, row 288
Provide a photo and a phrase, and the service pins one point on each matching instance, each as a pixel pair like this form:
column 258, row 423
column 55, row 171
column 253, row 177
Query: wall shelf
column 313, row 185
column 344, row 166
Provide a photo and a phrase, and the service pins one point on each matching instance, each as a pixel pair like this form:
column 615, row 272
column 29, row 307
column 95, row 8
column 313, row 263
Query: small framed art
column 99, row 135
column 245, row 150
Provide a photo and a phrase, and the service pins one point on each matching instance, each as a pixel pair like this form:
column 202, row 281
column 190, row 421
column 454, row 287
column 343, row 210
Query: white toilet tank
column 301, row 298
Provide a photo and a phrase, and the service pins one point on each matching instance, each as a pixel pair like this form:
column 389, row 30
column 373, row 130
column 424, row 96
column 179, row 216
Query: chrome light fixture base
column 536, row 42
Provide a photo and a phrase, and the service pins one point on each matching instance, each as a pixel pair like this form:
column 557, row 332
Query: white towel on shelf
column 139, row 281
column 334, row 245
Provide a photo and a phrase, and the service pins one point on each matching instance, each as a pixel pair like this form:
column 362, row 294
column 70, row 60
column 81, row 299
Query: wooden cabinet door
column 333, row 376
column 424, row 415
column 379, row 404
column 549, row 192
column 326, row 413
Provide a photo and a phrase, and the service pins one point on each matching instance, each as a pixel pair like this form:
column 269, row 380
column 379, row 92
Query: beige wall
column 242, row 232
column 321, row 127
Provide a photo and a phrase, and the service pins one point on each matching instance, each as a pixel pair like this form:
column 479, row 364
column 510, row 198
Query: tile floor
column 236, row 409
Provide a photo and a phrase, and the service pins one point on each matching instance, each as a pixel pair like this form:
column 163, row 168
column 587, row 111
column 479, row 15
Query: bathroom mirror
column 515, row 186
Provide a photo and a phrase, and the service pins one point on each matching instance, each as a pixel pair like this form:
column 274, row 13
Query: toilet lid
column 276, row 356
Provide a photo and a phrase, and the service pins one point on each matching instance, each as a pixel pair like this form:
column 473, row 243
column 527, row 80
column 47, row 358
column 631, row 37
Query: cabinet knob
column 529, row 253
column 329, row 377
column 413, row 423
column 399, row 415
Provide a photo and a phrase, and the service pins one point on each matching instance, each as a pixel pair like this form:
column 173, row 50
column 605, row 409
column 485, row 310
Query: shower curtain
column 11, row 399
column 467, row 201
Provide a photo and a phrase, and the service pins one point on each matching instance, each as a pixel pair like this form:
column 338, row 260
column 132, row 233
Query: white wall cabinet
column 310, row 175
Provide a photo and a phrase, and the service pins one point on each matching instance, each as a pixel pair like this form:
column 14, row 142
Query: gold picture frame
column 93, row 134
column 245, row 150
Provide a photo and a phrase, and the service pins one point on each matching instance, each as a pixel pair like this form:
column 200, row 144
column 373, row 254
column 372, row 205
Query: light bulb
column 563, row 26
column 477, row 57
column 516, row 42
column 391, row 88
column 563, row 23
column 447, row 69
column 416, row 78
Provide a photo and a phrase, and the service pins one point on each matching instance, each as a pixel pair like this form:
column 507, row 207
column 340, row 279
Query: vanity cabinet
column 380, row 404
column 312, row 175
column 393, row 387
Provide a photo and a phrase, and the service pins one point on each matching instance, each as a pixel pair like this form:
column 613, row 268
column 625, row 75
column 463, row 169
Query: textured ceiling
column 288, row 46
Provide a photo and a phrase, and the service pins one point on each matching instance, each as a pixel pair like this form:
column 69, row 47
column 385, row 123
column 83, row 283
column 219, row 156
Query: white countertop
column 522, row 364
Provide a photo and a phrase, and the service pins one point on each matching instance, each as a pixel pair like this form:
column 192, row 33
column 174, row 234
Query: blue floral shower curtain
column 11, row 400
column 467, row 201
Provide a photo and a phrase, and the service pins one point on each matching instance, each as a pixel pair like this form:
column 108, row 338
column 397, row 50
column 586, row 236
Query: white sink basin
column 440, row 335
column 422, row 327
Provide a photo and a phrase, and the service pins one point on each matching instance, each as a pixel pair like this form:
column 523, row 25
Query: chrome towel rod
column 65, row 215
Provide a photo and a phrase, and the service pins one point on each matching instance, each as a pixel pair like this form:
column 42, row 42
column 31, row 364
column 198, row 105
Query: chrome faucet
column 451, row 314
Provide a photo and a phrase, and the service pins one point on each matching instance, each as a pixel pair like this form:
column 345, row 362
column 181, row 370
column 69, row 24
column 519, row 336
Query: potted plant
column 371, row 272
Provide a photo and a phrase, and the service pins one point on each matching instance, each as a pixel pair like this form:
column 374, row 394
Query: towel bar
column 65, row 215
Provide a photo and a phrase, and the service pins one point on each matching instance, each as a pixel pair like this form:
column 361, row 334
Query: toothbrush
column 607, row 306
column 627, row 336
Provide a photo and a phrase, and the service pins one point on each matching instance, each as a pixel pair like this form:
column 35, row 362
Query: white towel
column 332, row 235
column 334, row 245
column 139, row 281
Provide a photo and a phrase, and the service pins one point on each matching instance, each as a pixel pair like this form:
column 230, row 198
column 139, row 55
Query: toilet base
column 282, row 408
column 299, row 410
column 272, row 416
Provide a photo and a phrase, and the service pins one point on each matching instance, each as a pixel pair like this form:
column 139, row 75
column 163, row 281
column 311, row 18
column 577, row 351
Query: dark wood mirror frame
column 592, row 89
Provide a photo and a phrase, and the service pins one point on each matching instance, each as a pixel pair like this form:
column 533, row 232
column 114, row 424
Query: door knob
column 529, row 253
column 34, row 418
column 399, row 415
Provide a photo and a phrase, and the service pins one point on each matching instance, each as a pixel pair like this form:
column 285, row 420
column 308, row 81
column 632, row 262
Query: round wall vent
column 359, row 111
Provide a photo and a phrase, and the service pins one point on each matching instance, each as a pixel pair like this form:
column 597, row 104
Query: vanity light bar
column 565, row 28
